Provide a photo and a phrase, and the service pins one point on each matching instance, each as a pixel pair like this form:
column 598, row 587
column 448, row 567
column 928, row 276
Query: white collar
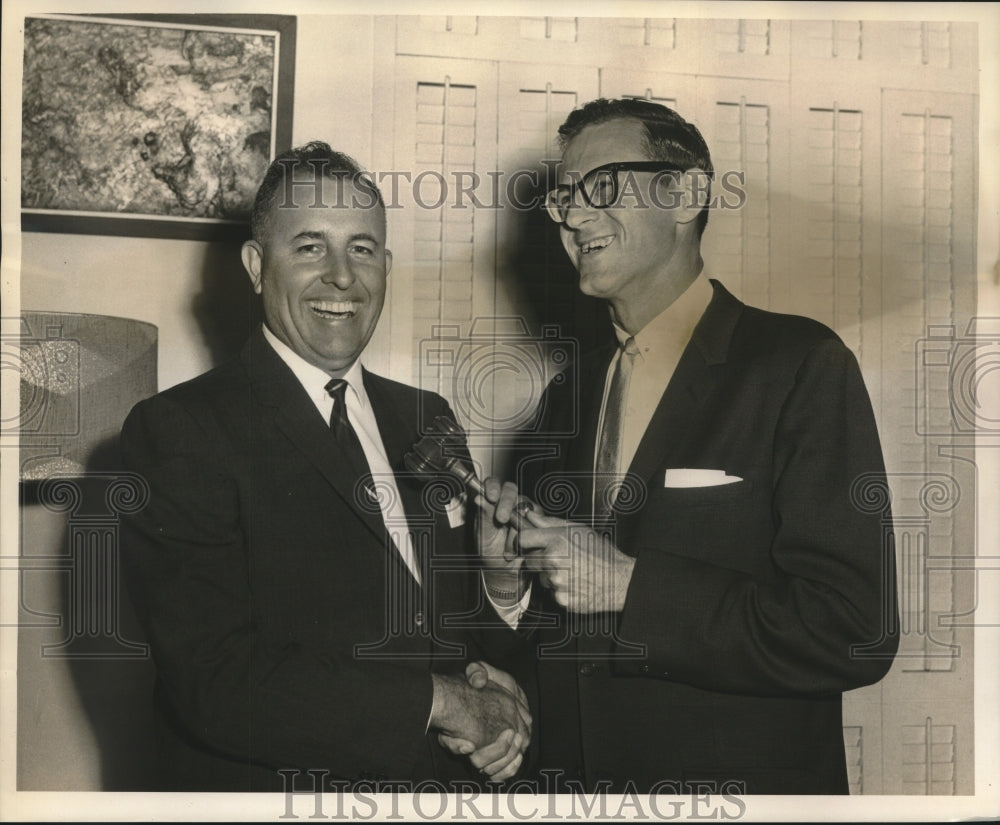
column 672, row 328
column 311, row 377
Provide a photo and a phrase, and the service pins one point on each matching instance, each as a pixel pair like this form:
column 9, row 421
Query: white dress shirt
column 362, row 418
column 660, row 344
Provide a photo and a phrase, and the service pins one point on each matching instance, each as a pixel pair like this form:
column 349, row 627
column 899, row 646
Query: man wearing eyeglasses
column 716, row 581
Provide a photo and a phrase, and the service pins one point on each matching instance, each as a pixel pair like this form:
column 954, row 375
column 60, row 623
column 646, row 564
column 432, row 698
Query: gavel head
column 416, row 463
column 447, row 432
column 429, row 451
column 442, row 450
column 435, row 452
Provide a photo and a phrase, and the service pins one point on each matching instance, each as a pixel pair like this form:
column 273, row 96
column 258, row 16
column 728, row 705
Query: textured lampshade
column 80, row 376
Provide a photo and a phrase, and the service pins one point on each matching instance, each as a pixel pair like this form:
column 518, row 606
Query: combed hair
column 314, row 156
column 668, row 136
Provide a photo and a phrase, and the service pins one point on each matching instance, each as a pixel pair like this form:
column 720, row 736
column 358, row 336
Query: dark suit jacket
column 286, row 629
column 753, row 605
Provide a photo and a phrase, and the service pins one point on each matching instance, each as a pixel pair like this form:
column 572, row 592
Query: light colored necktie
column 607, row 477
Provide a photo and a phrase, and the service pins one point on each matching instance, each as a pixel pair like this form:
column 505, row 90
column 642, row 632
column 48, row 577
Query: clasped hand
column 586, row 573
column 584, row 570
column 483, row 716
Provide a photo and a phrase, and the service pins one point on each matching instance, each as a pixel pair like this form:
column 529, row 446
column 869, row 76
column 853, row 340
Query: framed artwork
column 152, row 125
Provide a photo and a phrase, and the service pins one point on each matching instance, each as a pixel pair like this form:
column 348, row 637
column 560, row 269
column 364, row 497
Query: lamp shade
column 80, row 376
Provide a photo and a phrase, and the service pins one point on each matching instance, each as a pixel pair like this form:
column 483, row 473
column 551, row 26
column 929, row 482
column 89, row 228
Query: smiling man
column 715, row 583
column 286, row 568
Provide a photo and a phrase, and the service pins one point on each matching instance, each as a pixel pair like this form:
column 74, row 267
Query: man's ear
column 253, row 258
column 388, row 261
column 696, row 187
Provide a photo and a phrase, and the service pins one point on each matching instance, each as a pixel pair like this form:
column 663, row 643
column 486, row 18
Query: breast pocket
column 727, row 524
column 710, row 496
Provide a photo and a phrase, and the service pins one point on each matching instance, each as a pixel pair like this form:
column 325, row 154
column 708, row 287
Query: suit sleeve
column 825, row 621
column 235, row 688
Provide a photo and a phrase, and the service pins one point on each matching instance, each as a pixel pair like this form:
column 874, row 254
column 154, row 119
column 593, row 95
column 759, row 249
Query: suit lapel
column 275, row 387
column 398, row 427
column 691, row 384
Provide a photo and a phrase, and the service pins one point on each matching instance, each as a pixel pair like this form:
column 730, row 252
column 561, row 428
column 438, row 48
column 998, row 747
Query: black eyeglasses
column 600, row 187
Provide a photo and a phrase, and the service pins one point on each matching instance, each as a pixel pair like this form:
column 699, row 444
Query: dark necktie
column 342, row 429
column 607, row 477
column 347, row 437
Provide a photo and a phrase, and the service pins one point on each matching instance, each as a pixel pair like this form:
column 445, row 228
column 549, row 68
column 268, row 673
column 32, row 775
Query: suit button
column 586, row 669
column 419, row 619
column 644, row 668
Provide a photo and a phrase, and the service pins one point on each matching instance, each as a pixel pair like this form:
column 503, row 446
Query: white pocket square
column 685, row 477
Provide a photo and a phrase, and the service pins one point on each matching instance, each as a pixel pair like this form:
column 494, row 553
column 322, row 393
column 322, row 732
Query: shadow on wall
column 85, row 675
column 537, row 278
column 226, row 309
column 537, row 283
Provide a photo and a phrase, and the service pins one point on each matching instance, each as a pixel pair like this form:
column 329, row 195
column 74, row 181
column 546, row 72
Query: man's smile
column 335, row 310
column 596, row 244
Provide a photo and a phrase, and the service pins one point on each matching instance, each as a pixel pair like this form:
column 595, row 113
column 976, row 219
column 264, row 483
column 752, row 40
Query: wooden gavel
column 435, row 453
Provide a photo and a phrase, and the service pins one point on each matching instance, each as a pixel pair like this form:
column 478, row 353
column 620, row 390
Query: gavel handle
column 519, row 519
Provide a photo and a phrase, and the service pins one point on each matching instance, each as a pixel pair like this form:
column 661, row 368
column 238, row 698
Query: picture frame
column 195, row 108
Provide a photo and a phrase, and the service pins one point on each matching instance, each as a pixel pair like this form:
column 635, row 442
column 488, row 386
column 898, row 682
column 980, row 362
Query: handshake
column 483, row 715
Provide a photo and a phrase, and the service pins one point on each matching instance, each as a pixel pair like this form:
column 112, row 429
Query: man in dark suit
column 293, row 579
column 715, row 579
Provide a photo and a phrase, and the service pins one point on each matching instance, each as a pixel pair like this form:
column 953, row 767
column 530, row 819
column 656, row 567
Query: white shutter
column 926, row 44
column 741, row 238
column 561, row 29
column 854, row 753
column 654, row 32
column 839, row 39
column 928, row 758
column 833, row 243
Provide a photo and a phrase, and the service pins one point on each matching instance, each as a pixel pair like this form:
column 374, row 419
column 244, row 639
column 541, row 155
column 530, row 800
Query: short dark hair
column 668, row 136
column 315, row 155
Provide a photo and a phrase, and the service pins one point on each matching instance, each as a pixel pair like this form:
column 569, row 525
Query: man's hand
column 584, row 570
column 502, row 566
column 479, row 674
column 501, row 758
column 496, row 537
column 489, row 719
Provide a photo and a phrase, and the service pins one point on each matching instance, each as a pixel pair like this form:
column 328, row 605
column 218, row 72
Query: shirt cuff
column 510, row 613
